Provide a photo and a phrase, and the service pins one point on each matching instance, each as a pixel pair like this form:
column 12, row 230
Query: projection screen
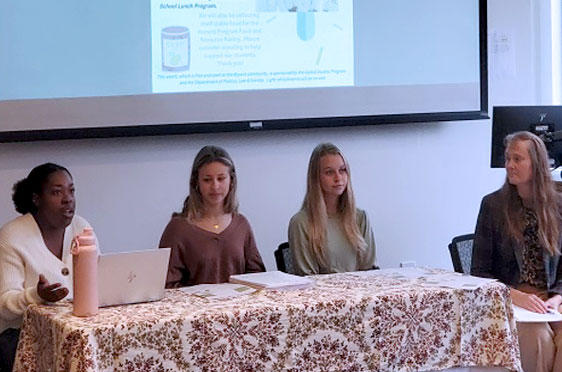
column 74, row 69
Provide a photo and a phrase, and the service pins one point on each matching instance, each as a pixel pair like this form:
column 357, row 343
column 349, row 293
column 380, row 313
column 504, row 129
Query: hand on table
column 554, row 302
column 530, row 301
column 50, row 292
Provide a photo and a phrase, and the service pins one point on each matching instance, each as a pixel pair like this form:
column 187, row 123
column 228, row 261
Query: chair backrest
column 461, row 253
column 284, row 258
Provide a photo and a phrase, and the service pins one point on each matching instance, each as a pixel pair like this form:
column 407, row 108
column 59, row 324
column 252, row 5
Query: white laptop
column 131, row 277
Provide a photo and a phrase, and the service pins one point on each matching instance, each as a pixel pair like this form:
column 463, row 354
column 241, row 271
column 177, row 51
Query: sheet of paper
column 217, row 291
column 502, row 56
column 526, row 316
column 273, row 280
column 456, row 281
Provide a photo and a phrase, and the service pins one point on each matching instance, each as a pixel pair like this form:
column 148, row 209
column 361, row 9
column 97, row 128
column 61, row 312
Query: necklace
column 216, row 223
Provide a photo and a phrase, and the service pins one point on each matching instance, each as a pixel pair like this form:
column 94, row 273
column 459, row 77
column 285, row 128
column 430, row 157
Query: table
column 347, row 322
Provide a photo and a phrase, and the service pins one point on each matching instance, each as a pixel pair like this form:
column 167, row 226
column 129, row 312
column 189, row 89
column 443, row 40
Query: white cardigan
column 23, row 256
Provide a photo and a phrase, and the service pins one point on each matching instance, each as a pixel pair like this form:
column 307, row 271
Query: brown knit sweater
column 200, row 256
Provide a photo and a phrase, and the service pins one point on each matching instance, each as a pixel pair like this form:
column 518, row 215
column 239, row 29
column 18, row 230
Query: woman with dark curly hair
column 35, row 259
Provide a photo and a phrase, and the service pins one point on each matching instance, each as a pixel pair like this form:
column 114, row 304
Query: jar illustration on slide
column 175, row 48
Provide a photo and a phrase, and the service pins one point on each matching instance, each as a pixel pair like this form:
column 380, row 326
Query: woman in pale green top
column 329, row 234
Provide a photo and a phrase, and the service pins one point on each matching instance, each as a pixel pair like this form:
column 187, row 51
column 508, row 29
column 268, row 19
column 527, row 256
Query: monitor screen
column 115, row 67
column 544, row 121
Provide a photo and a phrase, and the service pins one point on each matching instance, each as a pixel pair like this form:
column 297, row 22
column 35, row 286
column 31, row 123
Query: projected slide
column 224, row 45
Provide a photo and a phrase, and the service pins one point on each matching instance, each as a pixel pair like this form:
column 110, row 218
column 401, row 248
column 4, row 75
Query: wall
column 420, row 184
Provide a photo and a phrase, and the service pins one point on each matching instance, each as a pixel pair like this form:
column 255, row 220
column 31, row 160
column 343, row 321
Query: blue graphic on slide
column 305, row 9
column 175, row 48
column 297, row 5
column 305, row 25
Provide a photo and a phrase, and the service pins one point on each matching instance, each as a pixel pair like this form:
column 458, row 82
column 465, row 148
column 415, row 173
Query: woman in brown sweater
column 210, row 240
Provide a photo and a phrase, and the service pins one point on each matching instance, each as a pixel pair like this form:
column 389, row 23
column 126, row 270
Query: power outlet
column 408, row 264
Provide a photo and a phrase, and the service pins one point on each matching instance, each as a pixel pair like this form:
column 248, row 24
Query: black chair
column 461, row 253
column 284, row 258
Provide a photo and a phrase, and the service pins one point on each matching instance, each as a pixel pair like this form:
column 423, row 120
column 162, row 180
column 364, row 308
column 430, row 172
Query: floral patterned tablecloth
column 346, row 322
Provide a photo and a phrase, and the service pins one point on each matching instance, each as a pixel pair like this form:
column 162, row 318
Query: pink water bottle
column 85, row 273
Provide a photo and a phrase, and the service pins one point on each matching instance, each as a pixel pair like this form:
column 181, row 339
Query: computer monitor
column 544, row 121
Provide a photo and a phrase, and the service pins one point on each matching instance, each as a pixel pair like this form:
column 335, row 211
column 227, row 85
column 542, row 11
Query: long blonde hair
column 315, row 206
column 193, row 207
column 545, row 200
